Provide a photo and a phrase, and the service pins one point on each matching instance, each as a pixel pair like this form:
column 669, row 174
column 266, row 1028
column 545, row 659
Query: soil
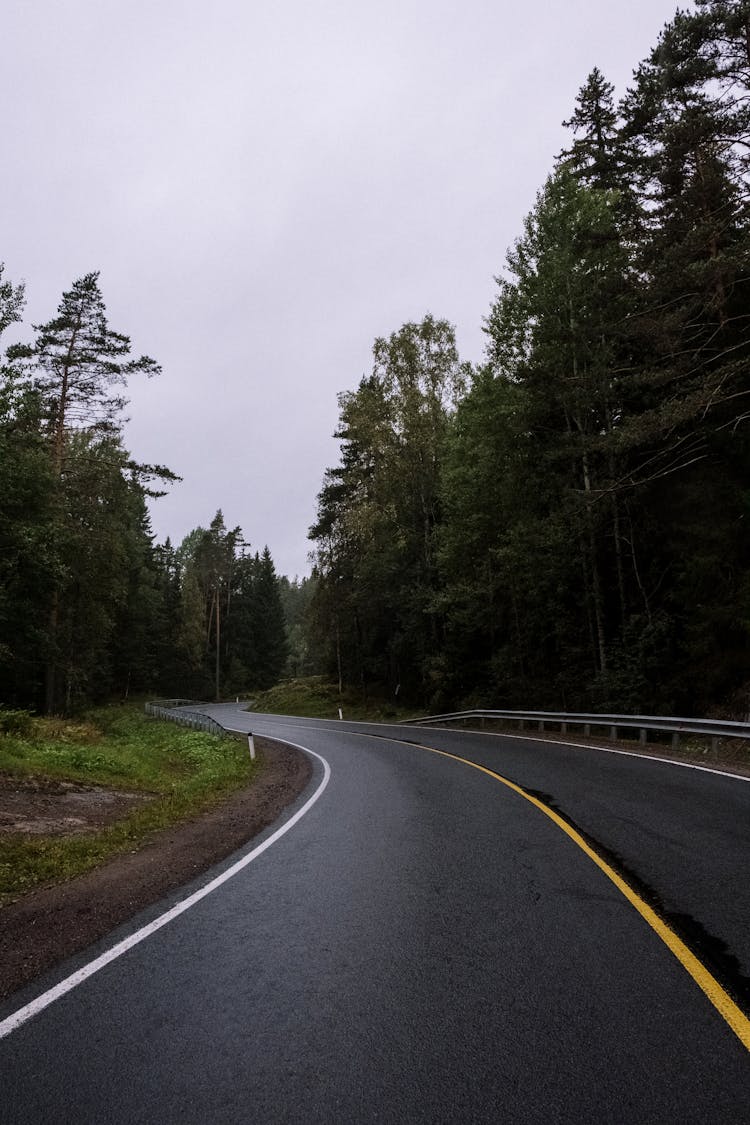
column 41, row 806
column 54, row 922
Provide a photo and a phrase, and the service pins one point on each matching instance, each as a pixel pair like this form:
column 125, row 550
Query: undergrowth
column 314, row 697
column 183, row 772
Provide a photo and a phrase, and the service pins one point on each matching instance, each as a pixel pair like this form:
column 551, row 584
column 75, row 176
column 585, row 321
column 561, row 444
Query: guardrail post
column 711, row 730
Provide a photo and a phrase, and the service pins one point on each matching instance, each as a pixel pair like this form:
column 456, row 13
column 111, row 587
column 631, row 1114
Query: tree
column 268, row 627
column 296, row 597
column 77, row 364
column 26, row 561
column 211, row 555
column 594, row 155
column 379, row 510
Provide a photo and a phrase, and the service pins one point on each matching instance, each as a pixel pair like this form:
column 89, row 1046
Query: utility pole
column 218, row 638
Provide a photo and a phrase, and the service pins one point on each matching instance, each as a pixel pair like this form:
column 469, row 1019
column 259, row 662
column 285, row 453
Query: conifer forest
column 567, row 524
column 563, row 525
column 90, row 607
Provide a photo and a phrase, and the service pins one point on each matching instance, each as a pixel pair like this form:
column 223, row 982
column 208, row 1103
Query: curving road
column 425, row 944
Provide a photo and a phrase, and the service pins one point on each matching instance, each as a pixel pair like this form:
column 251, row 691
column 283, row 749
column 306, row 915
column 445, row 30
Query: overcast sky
column 266, row 188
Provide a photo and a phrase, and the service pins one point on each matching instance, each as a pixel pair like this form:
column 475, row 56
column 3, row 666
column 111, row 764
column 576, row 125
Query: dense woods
column 90, row 607
column 567, row 524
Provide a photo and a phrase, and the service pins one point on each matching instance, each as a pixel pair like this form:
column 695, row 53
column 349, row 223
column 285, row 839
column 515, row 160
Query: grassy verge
column 183, row 771
column 316, row 698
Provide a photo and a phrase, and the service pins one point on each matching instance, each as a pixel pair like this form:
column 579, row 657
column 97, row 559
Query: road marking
column 14, row 1021
column 721, row 1000
column 316, row 724
column 607, row 750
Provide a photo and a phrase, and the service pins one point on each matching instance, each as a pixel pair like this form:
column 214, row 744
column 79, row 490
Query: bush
column 15, row 722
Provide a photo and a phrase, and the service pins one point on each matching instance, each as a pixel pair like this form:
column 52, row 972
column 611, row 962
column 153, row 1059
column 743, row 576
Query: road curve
column 424, row 944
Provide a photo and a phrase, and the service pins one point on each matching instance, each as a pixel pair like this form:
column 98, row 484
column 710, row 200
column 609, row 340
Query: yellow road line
column 720, row 999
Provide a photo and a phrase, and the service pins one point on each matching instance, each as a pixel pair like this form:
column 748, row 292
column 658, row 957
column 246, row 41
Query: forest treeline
column 90, row 606
column 567, row 524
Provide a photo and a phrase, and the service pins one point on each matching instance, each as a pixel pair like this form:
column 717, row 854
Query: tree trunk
column 51, row 666
column 596, row 585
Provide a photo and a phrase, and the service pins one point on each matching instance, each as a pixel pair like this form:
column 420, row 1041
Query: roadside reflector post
column 341, row 714
column 251, row 746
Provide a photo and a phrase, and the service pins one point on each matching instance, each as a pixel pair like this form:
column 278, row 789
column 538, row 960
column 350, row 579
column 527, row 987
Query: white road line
column 14, row 1021
column 604, row 750
column 648, row 757
column 514, row 736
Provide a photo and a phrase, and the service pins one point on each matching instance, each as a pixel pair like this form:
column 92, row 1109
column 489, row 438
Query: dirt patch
column 55, row 922
column 43, row 807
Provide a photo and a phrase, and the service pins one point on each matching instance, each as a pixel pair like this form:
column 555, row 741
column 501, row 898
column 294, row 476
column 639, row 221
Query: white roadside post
column 251, row 746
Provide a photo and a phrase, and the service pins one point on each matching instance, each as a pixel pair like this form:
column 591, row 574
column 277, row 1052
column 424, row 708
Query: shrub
column 15, row 722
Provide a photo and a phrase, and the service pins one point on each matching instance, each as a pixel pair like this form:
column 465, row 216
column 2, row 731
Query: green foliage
column 182, row 772
column 15, row 721
column 75, row 544
column 316, row 697
column 572, row 532
column 296, row 601
column 379, row 511
column 566, row 526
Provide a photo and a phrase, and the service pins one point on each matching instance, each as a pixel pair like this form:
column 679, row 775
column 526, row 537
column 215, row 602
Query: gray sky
column 266, row 188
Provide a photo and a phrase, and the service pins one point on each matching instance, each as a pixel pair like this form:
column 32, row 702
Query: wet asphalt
column 424, row 945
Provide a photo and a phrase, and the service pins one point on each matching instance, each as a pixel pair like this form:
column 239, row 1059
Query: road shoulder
column 56, row 922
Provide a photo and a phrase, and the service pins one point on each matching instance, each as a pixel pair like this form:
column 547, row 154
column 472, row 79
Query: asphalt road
column 424, row 944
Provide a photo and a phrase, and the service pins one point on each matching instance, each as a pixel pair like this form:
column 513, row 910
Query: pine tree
column 78, row 365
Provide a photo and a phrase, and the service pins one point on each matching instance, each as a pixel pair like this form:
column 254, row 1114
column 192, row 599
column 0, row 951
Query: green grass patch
column 185, row 772
column 314, row 697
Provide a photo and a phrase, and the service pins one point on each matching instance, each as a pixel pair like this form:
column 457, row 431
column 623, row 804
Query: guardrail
column 178, row 711
column 709, row 728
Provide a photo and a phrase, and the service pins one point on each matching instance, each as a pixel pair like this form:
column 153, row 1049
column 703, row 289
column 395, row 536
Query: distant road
column 427, row 944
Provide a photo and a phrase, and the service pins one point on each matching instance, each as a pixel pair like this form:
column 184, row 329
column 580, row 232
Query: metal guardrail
column 710, row 728
column 178, row 711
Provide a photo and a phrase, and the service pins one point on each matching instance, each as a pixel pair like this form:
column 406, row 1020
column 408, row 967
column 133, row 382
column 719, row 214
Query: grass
column 317, row 698
column 314, row 697
column 185, row 772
